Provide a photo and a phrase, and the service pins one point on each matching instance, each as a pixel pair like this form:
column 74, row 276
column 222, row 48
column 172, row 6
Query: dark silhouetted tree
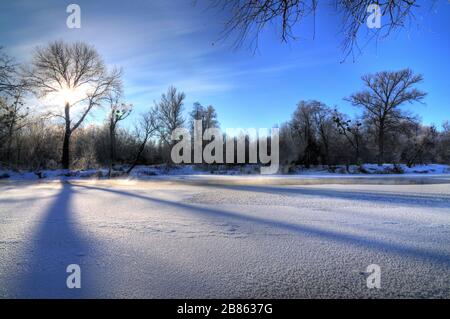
column 385, row 93
column 249, row 17
column 75, row 75
column 118, row 111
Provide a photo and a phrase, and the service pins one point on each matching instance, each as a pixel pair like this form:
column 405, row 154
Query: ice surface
column 225, row 237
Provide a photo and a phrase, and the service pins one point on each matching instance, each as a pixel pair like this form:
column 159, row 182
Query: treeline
column 34, row 137
column 318, row 134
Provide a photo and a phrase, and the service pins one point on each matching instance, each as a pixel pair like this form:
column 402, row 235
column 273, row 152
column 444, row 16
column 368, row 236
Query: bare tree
column 14, row 118
column 8, row 73
column 169, row 113
column 249, row 17
column 147, row 127
column 395, row 14
column 208, row 118
column 323, row 121
column 207, row 115
column 381, row 100
column 197, row 113
column 3, row 120
column 420, row 145
column 77, row 74
column 12, row 109
column 443, row 148
column 118, row 111
column 351, row 130
column 303, row 124
column 211, row 117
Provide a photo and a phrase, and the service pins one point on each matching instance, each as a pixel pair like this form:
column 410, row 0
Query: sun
column 69, row 95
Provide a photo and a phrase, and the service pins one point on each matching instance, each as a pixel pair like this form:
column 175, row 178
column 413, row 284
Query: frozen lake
column 227, row 237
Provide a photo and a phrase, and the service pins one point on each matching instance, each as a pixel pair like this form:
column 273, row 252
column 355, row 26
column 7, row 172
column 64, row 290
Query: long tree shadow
column 378, row 245
column 56, row 244
column 441, row 201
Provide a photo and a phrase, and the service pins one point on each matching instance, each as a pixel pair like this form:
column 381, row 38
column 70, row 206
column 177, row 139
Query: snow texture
column 226, row 237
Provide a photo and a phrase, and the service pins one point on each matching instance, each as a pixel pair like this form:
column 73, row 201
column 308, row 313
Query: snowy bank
column 146, row 172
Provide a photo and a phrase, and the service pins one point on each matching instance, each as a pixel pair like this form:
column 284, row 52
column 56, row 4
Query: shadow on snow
column 56, row 244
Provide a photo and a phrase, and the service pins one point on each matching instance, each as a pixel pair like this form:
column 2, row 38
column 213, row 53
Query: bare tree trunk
column 9, row 149
column 138, row 155
column 356, row 151
column 65, row 156
column 65, row 161
column 10, row 138
column 326, row 159
column 381, row 146
column 19, row 152
column 112, row 140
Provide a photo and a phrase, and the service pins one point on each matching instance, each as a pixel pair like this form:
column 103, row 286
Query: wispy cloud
column 163, row 43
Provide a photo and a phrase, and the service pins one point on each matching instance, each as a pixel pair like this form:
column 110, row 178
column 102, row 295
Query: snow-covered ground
column 224, row 237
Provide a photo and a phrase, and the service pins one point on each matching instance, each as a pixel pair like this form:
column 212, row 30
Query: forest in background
column 34, row 137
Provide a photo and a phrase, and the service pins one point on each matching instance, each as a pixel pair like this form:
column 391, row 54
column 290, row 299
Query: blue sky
column 162, row 43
